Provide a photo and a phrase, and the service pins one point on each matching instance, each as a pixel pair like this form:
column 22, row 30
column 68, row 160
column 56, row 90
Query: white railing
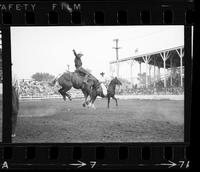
column 46, row 97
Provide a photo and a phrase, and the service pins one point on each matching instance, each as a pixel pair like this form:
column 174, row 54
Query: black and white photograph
column 97, row 84
column 1, row 86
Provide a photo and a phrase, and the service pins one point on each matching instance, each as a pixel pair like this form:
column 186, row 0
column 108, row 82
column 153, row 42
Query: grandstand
column 167, row 75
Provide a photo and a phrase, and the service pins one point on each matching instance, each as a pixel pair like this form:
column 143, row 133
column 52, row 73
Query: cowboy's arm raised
column 75, row 53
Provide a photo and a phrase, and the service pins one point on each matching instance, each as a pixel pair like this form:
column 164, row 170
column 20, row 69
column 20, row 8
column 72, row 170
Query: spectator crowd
column 151, row 91
column 34, row 88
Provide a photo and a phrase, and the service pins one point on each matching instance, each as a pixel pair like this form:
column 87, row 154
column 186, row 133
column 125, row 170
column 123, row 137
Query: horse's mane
column 111, row 82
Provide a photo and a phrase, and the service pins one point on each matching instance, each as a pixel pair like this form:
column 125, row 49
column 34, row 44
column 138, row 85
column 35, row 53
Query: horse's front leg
column 85, row 103
column 108, row 101
column 62, row 93
column 91, row 104
column 88, row 100
column 115, row 100
column 69, row 97
column 67, row 94
column 86, row 96
column 93, row 97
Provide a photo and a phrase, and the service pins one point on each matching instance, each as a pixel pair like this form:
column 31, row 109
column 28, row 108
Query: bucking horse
column 74, row 79
column 92, row 88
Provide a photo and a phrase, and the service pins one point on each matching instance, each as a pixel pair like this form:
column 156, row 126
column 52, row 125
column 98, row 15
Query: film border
column 142, row 14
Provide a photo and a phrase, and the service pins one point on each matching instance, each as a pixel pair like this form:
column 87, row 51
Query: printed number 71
column 182, row 163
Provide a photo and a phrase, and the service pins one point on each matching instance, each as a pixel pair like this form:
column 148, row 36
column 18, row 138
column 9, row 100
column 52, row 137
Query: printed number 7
column 93, row 163
column 182, row 163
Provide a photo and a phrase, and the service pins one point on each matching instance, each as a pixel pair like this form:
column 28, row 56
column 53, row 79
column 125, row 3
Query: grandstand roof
column 158, row 59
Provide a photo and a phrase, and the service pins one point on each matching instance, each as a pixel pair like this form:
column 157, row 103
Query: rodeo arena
column 150, row 104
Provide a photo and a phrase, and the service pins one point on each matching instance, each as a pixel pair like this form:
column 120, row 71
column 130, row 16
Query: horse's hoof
column 93, row 107
column 83, row 104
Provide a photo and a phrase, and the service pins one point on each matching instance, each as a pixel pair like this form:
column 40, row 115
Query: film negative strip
column 62, row 63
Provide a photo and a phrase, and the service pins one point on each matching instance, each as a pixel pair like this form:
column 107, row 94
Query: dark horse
column 15, row 109
column 110, row 92
column 73, row 79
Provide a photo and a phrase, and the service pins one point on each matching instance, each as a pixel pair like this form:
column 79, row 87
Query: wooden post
column 165, row 56
column 171, row 72
column 117, row 56
column 146, row 83
column 158, row 77
column 154, row 71
column 181, row 54
column 140, row 66
column 149, row 74
column 146, row 59
column 117, row 68
column 131, row 74
column 181, row 68
column 164, row 73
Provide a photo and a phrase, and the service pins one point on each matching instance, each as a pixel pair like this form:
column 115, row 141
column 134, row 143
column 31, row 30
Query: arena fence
column 147, row 97
column 151, row 97
column 46, row 97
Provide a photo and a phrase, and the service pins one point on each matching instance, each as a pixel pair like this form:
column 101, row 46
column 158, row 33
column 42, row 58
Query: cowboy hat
column 80, row 54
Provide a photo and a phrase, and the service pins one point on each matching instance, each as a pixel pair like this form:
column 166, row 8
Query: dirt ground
column 54, row 120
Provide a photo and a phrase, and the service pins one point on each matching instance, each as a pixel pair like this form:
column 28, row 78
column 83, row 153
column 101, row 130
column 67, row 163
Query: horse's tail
column 52, row 83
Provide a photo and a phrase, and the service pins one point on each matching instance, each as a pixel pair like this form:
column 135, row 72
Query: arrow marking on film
column 79, row 165
column 170, row 164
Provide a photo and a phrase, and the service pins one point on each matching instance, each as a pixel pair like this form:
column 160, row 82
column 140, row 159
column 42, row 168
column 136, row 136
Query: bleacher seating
column 33, row 88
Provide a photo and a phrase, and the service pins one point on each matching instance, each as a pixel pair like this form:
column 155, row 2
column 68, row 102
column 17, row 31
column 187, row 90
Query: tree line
column 40, row 76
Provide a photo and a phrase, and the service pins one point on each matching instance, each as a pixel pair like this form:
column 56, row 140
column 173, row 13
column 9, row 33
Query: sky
column 49, row 49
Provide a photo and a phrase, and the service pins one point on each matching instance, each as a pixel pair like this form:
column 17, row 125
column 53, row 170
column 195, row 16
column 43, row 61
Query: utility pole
column 117, row 56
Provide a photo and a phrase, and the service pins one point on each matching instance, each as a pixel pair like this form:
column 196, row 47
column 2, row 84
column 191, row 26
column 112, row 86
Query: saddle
column 80, row 73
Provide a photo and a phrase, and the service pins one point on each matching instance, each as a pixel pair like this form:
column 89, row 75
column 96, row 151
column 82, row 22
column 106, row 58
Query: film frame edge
column 111, row 149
